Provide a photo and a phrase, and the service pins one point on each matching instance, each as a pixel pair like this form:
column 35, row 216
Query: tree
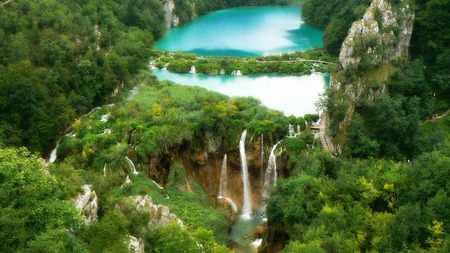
column 33, row 204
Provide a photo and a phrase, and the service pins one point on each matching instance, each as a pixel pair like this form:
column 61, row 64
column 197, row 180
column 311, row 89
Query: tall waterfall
column 133, row 168
column 261, row 172
column 223, row 178
column 223, row 185
column 247, row 205
column 53, row 155
column 271, row 172
column 104, row 170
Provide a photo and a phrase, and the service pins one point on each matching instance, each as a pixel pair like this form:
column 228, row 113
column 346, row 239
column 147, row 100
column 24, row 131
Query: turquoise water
column 248, row 31
column 243, row 228
column 292, row 94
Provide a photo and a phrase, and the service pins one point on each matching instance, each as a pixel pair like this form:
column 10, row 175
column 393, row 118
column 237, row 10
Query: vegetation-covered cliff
column 385, row 192
column 141, row 172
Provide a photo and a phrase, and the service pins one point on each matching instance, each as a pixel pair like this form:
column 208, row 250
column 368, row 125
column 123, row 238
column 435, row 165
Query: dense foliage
column 187, row 10
column 35, row 212
column 295, row 63
column 336, row 17
column 60, row 58
column 371, row 205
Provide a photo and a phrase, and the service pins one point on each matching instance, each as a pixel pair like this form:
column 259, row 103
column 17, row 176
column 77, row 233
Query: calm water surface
column 251, row 31
column 291, row 94
column 248, row 31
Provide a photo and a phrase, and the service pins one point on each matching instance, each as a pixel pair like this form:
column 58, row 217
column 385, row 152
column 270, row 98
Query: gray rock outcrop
column 159, row 215
column 171, row 18
column 383, row 34
column 87, row 204
column 136, row 245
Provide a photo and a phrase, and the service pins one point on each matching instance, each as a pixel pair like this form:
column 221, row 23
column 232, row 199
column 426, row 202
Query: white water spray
column 104, row 170
column 53, row 155
column 291, row 131
column 247, row 205
column 223, row 178
column 193, row 70
column 271, row 172
column 133, row 168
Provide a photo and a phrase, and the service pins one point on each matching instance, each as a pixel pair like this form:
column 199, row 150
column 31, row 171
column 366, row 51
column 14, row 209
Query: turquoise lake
column 251, row 31
column 292, row 94
column 247, row 31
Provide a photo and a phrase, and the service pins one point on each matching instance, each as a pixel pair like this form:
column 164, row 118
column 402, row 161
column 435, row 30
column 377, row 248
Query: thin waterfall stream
column 247, row 204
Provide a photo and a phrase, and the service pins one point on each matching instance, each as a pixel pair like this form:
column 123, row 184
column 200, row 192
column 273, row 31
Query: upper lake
column 251, row 31
column 247, row 31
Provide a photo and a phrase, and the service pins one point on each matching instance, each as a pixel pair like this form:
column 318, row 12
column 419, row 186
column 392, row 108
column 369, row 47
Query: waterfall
column 53, row 155
column 231, row 202
column 256, row 243
column 193, row 70
column 159, row 186
column 271, row 172
column 223, row 185
column 223, row 178
column 247, row 205
column 222, row 71
column 133, row 168
column 298, row 129
column 261, row 171
column 104, row 170
column 291, row 131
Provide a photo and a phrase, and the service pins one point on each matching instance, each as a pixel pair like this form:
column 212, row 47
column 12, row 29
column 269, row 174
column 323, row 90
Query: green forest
column 75, row 74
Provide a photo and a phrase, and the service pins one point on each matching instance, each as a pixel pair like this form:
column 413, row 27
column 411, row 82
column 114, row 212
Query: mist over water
column 292, row 94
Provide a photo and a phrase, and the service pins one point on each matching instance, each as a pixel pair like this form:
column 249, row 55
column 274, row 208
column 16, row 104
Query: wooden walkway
column 322, row 127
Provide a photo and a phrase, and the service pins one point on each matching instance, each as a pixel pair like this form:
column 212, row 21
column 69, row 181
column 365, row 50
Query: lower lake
column 292, row 94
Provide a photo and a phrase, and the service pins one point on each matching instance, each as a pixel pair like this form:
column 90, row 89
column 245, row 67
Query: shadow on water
column 243, row 229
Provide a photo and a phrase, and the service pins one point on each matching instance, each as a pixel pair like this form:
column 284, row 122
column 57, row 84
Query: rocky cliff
column 381, row 36
column 159, row 215
column 203, row 166
column 172, row 20
column 87, row 204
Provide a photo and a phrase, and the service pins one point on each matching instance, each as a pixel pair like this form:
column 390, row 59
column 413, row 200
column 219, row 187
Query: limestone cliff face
column 135, row 245
column 204, row 166
column 171, row 18
column 383, row 34
column 87, row 204
column 159, row 215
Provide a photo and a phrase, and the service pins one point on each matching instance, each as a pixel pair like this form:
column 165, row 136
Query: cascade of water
column 261, row 171
column 291, row 131
column 222, row 71
column 104, row 170
column 247, row 205
column 133, row 168
column 193, row 70
column 223, row 185
column 159, row 186
column 271, row 172
column 231, row 202
column 256, row 243
column 53, row 155
column 298, row 129
column 223, row 178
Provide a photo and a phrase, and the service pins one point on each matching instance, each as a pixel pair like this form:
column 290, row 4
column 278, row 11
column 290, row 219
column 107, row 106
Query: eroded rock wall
column 383, row 34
